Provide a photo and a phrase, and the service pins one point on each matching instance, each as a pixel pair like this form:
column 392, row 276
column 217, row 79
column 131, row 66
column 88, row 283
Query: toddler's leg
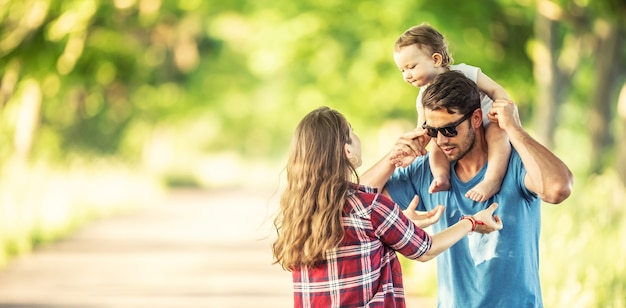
column 440, row 167
column 499, row 151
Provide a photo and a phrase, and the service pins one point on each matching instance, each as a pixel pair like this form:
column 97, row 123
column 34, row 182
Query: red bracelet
column 472, row 220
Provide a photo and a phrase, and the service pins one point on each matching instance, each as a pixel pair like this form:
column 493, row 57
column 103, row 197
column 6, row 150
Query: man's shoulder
column 404, row 183
column 516, row 173
column 515, row 166
column 514, row 158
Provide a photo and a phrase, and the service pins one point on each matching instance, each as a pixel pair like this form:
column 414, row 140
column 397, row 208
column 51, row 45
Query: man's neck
column 472, row 162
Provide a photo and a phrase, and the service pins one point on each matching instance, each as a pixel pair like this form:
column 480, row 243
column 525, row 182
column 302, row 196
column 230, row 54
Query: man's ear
column 437, row 59
column 477, row 117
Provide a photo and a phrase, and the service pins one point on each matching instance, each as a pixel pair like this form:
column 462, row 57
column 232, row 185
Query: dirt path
column 195, row 249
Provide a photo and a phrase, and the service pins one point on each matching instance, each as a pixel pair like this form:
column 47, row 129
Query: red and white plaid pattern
column 364, row 270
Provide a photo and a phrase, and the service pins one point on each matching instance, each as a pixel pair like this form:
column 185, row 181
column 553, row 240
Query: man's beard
column 467, row 145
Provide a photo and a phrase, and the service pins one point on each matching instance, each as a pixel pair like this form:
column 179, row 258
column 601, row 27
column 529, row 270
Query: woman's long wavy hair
column 318, row 177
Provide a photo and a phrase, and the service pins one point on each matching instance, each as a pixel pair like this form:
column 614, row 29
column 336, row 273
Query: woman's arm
column 407, row 148
column 448, row 237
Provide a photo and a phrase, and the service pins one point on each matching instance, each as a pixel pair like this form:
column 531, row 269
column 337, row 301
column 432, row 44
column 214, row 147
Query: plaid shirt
column 364, row 270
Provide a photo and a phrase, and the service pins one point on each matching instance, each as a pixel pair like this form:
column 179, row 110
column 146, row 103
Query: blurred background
column 105, row 105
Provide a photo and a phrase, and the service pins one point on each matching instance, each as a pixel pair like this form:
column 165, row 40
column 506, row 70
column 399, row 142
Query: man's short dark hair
column 452, row 91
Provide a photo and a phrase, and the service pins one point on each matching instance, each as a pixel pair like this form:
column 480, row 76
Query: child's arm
column 498, row 141
column 490, row 87
column 420, row 117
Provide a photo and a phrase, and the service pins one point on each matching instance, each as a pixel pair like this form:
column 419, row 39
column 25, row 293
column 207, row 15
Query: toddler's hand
column 409, row 146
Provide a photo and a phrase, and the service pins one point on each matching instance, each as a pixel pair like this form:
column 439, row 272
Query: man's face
column 440, row 122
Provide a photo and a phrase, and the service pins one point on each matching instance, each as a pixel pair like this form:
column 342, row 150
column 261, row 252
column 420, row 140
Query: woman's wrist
column 472, row 220
column 475, row 222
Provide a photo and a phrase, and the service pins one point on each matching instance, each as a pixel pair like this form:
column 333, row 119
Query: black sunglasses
column 448, row 130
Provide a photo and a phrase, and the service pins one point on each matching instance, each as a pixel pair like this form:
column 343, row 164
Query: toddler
column 421, row 53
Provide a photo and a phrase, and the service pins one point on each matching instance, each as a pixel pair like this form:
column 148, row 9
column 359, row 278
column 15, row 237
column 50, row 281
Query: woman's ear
column 437, row 59
column 347, row 150
column 355, row 160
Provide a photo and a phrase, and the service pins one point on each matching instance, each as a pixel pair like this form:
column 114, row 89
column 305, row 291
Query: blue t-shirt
column 500, row 269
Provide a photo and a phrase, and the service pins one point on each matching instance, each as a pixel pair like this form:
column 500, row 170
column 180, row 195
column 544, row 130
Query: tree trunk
column 28, row 119
column 9, row 81
column 621, row 135
column 546, row 74
column 606, row 71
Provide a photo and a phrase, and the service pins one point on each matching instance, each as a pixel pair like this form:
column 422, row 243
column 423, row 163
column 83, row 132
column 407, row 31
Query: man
column 499, row 269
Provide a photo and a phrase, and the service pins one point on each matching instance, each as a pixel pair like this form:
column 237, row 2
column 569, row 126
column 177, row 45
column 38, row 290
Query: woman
column 338, row 238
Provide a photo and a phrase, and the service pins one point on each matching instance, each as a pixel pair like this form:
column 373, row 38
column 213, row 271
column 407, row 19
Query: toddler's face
column 418, row 67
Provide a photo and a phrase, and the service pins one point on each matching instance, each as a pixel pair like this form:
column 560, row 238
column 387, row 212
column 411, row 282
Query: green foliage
column 257, row 66
column 582, row 261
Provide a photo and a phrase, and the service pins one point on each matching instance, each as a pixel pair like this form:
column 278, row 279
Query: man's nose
column 441, row 139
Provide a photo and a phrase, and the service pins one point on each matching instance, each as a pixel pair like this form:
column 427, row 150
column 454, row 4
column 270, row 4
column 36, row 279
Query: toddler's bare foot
column 483, row 190
column 439, row 184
